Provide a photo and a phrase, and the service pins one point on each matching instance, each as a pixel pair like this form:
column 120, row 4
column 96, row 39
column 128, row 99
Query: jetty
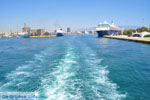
column 42, row 36
column 123, row 37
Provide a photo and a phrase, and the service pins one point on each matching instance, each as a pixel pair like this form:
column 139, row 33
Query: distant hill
column 87, row 29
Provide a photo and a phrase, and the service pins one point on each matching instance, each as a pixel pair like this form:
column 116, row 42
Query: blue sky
column 72, row 13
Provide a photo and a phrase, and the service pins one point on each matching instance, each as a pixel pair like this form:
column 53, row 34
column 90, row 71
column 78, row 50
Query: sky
column 77, row 14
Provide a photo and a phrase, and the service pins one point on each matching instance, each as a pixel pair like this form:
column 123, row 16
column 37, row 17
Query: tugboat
column 107, row 29
column 60, row 33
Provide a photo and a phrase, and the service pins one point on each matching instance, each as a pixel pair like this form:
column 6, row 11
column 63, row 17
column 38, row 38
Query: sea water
column 75, row 67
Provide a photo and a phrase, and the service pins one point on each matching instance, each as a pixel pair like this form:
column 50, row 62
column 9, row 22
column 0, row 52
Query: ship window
column 103, row 25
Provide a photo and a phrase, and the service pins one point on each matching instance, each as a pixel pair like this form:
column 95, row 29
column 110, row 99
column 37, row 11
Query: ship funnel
column 105, row 22
column 112, row 23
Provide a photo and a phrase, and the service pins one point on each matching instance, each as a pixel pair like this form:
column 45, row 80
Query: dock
column 42, row 36
column 123, row 37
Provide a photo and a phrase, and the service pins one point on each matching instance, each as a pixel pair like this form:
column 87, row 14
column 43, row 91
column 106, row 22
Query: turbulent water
column 76, row 67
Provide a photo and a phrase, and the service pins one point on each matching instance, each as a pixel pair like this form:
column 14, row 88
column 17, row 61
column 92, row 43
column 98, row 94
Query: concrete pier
column 42, row 36
column 123, row 37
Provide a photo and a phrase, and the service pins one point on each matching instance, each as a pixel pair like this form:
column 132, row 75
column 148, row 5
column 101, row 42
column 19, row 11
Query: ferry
column 60, row 33
column 107, row 29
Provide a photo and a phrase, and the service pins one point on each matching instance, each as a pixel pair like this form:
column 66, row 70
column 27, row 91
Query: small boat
column 25, row 36
column 60, row 33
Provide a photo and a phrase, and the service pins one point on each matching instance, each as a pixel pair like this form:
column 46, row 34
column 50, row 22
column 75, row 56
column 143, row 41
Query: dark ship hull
column 102, row 33
column 60, row 34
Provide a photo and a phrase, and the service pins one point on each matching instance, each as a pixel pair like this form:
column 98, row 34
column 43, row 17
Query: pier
column 123, row 37
column 43, row 36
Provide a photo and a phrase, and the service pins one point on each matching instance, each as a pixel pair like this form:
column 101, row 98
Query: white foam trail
column 99, row 82
column 60, row 84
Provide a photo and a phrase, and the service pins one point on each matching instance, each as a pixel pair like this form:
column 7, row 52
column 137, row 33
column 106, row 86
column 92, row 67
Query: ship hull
column 25, row 36
column 60, row 34
column 102, row 33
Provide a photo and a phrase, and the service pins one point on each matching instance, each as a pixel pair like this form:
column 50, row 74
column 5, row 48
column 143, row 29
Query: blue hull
column 60, row 34
column 102, row 33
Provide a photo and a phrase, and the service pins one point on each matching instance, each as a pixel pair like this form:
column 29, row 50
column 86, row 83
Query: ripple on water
column 23, row 76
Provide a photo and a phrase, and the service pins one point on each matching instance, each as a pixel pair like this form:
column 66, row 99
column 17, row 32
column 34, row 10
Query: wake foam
column 59, row 84
column 103, row 88
column 65, row 78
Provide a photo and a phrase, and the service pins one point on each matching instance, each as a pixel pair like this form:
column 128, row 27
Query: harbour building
column 68, row 30
column 26, row 29
column 37, row 32
column 40, row 31
column 33, row 31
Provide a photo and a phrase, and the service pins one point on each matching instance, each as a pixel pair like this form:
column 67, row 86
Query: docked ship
column 107, row 29
column 25, row 35
column 60, row 33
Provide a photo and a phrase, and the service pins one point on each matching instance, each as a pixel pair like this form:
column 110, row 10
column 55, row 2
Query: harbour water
column 75, row 67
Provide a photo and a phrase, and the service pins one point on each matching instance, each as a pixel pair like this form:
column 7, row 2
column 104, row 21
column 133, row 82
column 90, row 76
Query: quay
column 42, row 36
column 123, row 37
